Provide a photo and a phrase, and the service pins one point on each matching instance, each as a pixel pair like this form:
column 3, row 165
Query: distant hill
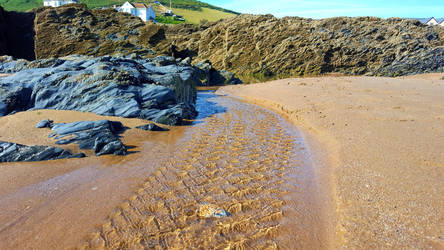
column 24, row 5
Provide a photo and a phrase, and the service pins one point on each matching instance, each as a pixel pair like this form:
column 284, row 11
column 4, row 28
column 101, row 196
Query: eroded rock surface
column 112, row 86
column 254, row 47
column 13, row 152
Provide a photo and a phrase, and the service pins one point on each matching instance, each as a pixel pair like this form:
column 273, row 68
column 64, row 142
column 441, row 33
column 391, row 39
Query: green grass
column 195, row 17
column 24, row 5
column 20, row 5
column 168, row 20
column 193, row 5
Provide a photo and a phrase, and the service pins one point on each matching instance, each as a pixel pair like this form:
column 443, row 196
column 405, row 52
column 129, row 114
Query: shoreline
column 323, row 158
column 369, row 132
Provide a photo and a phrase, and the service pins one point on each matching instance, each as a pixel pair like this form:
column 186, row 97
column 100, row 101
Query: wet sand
column 53, row 204
column 379, row 144
column 238, row 157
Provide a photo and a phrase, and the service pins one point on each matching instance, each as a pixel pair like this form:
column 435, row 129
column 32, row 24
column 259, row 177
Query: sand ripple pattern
column 239, row 161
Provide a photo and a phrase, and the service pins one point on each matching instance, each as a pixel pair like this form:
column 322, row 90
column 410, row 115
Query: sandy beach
column 378, row 144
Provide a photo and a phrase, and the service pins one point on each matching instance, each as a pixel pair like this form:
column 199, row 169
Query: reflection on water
column 206, row 107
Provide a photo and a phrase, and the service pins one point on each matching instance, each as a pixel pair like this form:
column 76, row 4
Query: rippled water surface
column 237, row 157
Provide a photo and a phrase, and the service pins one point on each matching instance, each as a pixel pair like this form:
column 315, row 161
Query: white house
column 432, row 21
column 139, row 9
column 57, row 3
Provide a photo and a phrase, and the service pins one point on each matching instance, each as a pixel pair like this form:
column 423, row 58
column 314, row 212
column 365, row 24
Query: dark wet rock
column 106, row 85
column 209, row 76
column 431, row 61
column 101, row 136
column 223, row 77
column 13, row 152
column 152, row 127
column 45, row 124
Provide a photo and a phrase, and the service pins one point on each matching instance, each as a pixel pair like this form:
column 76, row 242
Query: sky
column 331, row 8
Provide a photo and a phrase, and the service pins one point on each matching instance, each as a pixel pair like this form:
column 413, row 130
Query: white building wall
column 432, row 22
column 56, row 3
column 143, row 13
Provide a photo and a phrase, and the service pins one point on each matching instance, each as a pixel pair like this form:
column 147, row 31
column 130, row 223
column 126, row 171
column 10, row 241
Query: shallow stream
column 235, row 156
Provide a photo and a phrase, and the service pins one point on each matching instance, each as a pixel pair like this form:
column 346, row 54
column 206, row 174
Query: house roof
column 424, row 20
column 440, row 20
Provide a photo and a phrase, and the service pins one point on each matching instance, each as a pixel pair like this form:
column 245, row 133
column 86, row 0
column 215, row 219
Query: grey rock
column 45, row 124
column 152, row 127
column 13, row 152
column 105, row 85
column 101, row 136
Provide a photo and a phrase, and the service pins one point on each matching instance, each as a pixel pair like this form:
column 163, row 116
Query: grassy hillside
column 195, row 16
column 23, row 5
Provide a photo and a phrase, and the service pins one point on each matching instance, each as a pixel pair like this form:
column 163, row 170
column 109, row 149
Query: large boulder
column 101, row 136
column 112, row 86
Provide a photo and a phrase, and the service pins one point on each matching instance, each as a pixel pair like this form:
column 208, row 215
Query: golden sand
column 381, row 143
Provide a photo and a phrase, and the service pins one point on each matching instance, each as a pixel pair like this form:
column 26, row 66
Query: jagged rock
column 13, row 152
column 75, row 29
column 211, row 77
column 258, row 47
column 254, row 47
column 152, row 127
column 105, row 85
column 45, row 124
column 101, row 136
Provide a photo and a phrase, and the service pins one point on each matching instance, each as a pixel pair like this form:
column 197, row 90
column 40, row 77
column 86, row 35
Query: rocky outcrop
column 101, row 136
column 254, row 47
column 17, row 34
column 106, row 85
column 13, row 152
column 263, row 47
column 74, row 29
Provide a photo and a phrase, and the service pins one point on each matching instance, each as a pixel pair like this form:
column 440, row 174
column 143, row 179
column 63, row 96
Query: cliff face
column 267, row 47
column 74, row 29
column 254, row 47
column 17, row 34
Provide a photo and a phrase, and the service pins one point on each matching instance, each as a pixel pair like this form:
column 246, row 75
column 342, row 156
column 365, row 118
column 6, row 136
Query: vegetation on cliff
column 24, row 5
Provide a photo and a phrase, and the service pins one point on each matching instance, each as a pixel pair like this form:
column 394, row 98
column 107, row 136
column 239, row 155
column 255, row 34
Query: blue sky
column 330, row 8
